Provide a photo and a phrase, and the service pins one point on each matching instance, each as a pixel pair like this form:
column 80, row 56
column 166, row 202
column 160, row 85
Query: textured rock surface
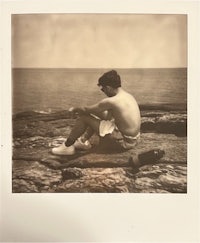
column 35, row 169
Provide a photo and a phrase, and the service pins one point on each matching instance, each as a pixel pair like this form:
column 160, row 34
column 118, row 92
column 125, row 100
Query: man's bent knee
column 84, row 116
column 91, row 121
column 88, row 118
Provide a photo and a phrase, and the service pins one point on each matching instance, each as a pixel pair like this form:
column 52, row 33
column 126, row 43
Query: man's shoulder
column 126, row 94
column 106, row 102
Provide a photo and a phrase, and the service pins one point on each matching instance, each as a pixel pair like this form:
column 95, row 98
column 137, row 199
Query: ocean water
column 51, row 90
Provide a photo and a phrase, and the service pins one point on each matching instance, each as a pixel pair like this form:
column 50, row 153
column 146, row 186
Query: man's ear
column 109, row 88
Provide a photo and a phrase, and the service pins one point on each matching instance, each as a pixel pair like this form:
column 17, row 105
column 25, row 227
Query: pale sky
column 99, row 40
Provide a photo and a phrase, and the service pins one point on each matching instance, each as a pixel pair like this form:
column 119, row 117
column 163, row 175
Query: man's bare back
column 123, row 108
column 126, row 113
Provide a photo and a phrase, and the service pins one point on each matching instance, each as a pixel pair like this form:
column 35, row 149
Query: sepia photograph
column 99, row 127
column 99, row 103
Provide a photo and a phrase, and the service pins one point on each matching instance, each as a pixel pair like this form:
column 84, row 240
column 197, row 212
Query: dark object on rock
column 71, row 173
column 149, row 157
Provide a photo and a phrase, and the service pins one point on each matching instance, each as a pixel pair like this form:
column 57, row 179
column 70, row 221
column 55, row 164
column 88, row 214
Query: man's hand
column 77, row 110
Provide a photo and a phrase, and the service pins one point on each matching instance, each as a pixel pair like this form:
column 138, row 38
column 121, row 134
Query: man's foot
column 82, row 146
column 64, row 150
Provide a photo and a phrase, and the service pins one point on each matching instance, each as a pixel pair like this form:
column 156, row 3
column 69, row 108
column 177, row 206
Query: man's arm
column 101, row 109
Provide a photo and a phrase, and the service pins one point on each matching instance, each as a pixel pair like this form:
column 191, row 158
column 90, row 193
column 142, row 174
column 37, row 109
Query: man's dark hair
column 110, row 78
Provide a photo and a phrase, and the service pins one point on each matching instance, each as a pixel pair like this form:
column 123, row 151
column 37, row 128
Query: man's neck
column 118, row 90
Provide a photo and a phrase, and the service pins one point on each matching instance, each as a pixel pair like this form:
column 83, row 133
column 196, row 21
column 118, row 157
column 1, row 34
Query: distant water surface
column 58, row 89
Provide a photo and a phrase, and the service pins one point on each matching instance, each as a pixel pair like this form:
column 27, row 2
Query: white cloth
column 106, row 127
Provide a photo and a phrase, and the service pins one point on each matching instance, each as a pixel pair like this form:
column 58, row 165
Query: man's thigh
column 92, row 122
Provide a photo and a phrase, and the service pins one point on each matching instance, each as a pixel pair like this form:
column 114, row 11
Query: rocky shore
column 36, row 170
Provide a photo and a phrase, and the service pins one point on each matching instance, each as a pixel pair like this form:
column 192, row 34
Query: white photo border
column 100, row 217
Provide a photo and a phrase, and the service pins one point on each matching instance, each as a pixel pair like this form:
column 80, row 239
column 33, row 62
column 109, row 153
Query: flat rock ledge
column 36, row 170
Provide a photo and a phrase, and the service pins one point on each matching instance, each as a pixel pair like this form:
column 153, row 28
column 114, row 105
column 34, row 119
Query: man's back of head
column 110, row 78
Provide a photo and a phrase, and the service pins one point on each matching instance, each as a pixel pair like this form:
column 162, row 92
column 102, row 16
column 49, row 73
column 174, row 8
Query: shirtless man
column 118, row 113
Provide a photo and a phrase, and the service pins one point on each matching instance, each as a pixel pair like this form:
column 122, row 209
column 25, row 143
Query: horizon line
column 96, row 67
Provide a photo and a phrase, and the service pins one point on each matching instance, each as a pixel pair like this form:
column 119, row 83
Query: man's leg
column 85, row 123
column 82, row 124
column 87, row 135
